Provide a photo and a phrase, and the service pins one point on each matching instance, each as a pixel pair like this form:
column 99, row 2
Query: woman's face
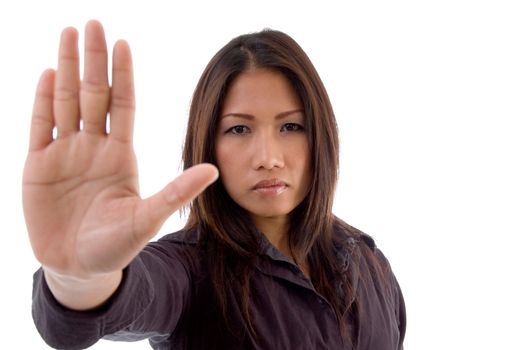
column 262, row 149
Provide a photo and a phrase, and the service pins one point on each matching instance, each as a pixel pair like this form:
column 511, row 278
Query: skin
column 84, row 214
column 261, row 136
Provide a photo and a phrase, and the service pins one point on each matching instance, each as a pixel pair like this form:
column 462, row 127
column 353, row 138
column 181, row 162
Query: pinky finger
column 42, row 123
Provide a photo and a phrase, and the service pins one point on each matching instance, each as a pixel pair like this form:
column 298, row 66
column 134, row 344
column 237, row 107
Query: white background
column 430, row 98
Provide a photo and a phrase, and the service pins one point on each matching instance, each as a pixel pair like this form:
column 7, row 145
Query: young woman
column 262, row 262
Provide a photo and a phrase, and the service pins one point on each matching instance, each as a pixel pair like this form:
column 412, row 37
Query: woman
column 262, row 262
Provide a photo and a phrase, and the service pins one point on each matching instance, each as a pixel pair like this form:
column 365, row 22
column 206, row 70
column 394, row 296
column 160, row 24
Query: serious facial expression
column 262, row 148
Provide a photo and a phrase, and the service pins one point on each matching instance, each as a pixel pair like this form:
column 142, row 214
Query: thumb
column 152, row 212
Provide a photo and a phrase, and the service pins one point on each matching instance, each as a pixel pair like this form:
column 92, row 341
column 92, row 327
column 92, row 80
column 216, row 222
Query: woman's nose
column 267, row 152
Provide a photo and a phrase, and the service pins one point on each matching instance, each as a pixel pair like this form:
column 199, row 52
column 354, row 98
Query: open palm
column 81, row 199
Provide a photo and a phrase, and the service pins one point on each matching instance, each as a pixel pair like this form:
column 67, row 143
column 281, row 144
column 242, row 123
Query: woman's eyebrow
column 287, row 113
column 251, row 117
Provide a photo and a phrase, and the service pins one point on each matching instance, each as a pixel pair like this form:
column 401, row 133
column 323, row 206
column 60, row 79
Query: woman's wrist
column 82, row 293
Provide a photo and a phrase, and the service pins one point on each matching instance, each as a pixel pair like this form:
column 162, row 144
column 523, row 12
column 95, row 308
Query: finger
column 94, row 91
column 42, row 123
column 66, row 95
column 122, row 103
column 155, row 210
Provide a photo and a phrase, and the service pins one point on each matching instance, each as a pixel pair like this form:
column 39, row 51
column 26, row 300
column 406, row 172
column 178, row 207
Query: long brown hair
column 225, row 230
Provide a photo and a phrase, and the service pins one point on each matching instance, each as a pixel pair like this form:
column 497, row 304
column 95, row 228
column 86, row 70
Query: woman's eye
column 238, row 129
column 292, row 127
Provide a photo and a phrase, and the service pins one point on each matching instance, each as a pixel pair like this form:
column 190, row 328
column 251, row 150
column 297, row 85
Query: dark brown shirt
column 158, row 292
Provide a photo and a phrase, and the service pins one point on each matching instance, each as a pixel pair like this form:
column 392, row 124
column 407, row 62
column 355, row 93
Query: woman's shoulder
column 354, row 242
column 350, row 236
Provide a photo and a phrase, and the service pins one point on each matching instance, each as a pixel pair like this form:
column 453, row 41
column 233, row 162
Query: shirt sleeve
column 397, row 299
column 401, row 313
column 150, row 301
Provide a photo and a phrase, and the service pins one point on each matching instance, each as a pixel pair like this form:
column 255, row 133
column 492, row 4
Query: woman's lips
column 270, row 187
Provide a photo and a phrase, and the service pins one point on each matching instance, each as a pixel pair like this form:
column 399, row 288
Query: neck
column 275, row 230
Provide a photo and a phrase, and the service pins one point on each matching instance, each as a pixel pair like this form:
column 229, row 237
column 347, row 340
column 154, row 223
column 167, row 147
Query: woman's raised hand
column 80, row 188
